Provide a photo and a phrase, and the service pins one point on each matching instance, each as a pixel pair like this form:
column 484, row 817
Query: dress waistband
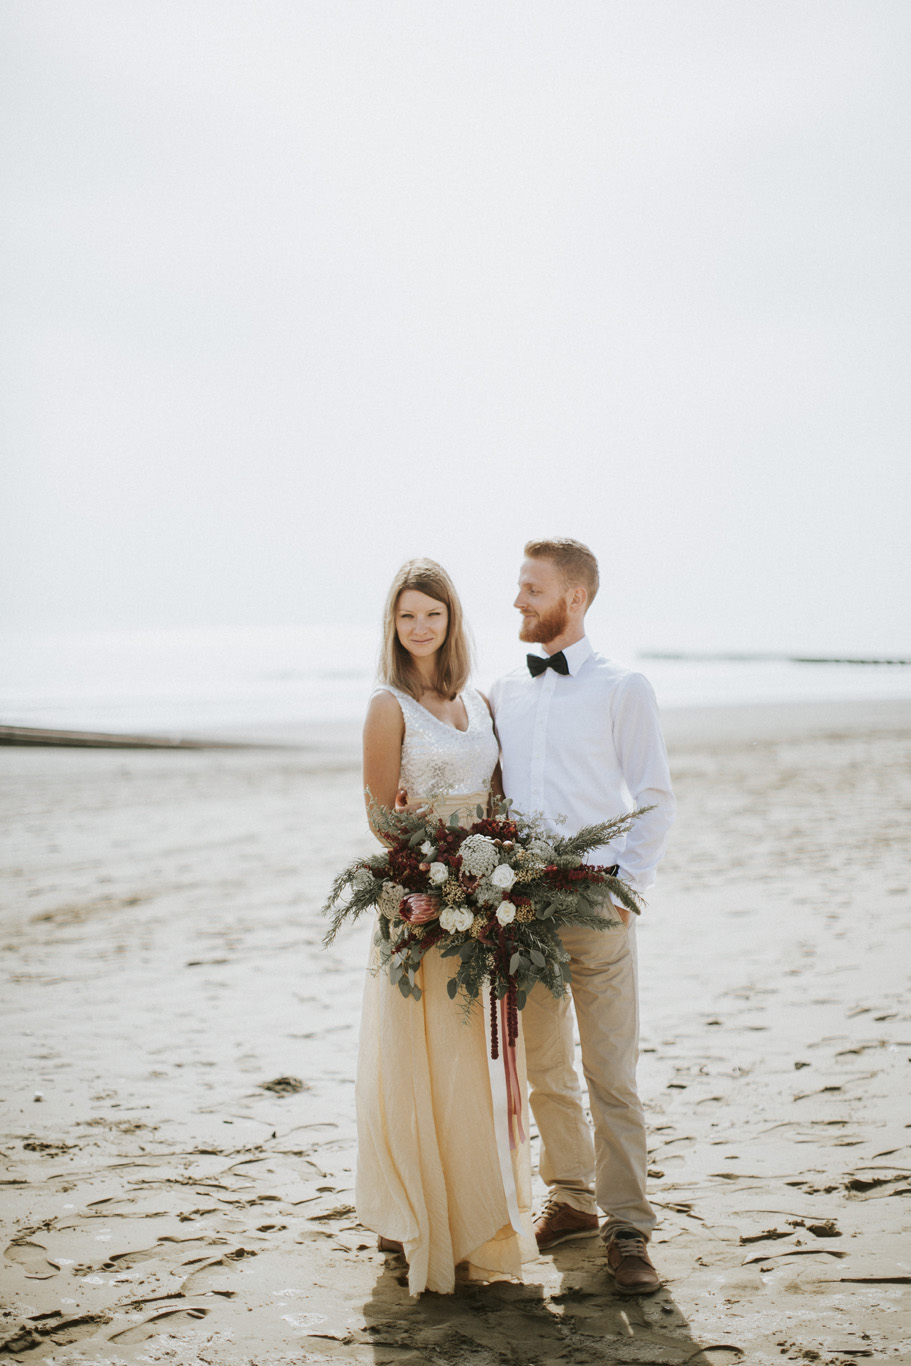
column 466, row 803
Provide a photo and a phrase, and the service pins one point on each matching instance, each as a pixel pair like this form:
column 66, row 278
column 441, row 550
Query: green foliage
column 520, row 955
column 345, row 903
column 593, row 836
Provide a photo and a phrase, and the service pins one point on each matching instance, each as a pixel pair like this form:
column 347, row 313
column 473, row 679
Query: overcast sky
column 292, row 291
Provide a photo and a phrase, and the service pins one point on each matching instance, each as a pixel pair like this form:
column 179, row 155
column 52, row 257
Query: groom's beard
column 544, row 626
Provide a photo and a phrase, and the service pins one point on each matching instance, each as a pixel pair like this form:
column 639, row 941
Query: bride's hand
column 403, row 806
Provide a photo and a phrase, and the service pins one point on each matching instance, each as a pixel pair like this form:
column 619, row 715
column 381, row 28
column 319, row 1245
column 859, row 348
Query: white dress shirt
column 588, row 746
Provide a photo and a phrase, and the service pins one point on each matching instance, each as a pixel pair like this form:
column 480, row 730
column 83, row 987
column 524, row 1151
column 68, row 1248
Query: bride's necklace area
column 444, row 708
column 426, row 688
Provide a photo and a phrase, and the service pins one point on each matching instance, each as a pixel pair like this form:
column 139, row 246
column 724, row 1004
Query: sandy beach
column 179, row 1052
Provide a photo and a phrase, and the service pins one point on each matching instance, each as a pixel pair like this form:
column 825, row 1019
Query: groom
column 580, row 738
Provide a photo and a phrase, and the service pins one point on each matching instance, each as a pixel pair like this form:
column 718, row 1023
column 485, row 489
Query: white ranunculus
column 456, row 918
column 479, row 855
column 438, row 873
column 503, row 877
column 506, row 912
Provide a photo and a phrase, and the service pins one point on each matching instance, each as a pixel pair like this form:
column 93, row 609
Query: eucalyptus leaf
column 404, row 986
column 537, row 957
column 515, row 960
column 480, row 811
column 452, row 987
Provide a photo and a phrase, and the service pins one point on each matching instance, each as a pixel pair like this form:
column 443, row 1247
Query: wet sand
column 177, row 1093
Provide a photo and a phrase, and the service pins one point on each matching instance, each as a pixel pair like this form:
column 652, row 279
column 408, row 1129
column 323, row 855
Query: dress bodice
column 439, row 760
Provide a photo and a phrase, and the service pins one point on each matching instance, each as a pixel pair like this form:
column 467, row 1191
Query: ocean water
column 195, row 682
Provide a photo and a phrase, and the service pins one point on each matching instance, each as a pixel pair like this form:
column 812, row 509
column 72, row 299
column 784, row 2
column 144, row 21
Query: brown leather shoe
column 558, row 1223
column 389, row 1245
column 630, row 1265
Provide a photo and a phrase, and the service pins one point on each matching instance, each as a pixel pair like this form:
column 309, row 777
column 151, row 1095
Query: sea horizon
column 196, row 680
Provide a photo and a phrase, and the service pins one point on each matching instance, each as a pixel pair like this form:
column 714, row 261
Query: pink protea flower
column 420, row 907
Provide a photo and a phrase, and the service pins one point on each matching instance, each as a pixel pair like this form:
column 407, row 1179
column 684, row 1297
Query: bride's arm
column 384, row 730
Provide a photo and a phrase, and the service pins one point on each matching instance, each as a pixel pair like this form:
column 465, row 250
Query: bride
column 436, row 1176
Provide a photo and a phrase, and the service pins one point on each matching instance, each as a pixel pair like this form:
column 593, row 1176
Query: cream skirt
column 435, row 1170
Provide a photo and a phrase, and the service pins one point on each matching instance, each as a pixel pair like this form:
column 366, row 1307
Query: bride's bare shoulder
column 384, row 712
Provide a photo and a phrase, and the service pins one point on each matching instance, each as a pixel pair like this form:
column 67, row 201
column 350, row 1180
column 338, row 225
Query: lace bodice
column 437, row 759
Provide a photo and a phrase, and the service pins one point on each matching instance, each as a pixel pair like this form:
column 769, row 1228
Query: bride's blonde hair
column 453, row 659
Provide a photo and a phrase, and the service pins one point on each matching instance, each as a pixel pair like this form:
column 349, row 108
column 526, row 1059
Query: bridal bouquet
column 493, row 895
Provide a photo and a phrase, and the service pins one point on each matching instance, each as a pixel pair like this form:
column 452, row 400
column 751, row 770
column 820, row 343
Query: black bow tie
column 557, row 662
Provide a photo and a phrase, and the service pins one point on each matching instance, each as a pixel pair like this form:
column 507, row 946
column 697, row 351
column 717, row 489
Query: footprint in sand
column 54, row 1328
column 33, row 1257
column 721, row 1354
column 161, row 1323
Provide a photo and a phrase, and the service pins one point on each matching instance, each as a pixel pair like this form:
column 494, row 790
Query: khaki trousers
column 610, row 1171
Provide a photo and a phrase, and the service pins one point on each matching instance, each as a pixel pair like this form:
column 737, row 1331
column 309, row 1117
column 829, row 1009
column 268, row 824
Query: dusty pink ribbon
column 513, row 1089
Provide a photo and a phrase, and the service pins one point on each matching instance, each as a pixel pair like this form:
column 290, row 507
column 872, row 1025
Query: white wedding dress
column 435, row 1170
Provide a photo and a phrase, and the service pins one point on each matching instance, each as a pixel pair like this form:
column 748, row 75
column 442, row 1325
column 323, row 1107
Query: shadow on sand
column 572, row 1315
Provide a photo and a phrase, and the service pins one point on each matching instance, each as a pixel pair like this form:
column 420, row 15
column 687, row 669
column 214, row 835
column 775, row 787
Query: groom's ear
column 578, row 597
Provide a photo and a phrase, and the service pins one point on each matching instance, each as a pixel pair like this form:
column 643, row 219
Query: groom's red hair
column 576, row 563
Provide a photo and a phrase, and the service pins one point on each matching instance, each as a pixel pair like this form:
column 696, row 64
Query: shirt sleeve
column 642, row 756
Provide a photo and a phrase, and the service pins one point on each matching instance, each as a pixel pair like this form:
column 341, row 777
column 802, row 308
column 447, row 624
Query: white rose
column 427, row 848
column 438, row 873
column 456, row 918
column 506, row 912
column 503, row 877
column 464, row 918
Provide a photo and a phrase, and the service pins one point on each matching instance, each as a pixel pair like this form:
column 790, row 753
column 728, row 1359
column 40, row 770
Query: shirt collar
column 577, row 653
